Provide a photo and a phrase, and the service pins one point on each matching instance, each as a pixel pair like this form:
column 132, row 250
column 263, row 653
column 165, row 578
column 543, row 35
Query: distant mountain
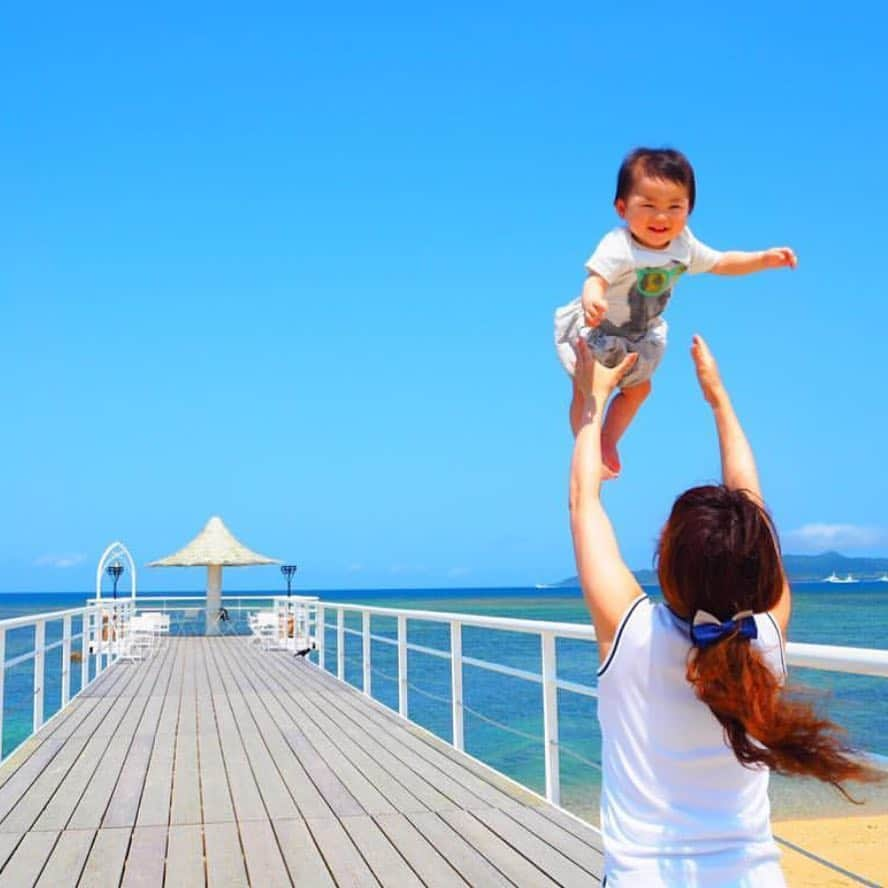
column 799, row 568
column 817, row 567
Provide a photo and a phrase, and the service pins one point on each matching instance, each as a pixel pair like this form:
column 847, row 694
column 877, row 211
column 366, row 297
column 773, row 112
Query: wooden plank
column 245, row 794
column 124, row 804
column 277, row 800
column 60, row 726
column 28, row 859
column 467, row 860
column 294, row 772
column 21, row 781
column 341, row 856
column 185, row 806
column 104, row 865
column 417, row 756
column 304, row 861
column 146, row 856
column 309, row 743
column 52, row 798
column 387, row 864
column 216, row 802
column 154, row 805
column 402, row 786
column 584, row 854
column 184, row 865
column 225, row 861
column 67, row 859
column 91, row 808
column 8, row 843
column 35, row 755
column 214, row 729
column 585, row 832
column 543, row 855
column 299, row 712
column 505, row 858
column 265, row 866
column 432, row 868
column 488, row 787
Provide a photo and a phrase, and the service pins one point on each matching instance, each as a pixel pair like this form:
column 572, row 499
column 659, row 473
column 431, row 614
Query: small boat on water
column 834, row 578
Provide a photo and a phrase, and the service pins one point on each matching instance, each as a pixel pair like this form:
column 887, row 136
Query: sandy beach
column 859, row 844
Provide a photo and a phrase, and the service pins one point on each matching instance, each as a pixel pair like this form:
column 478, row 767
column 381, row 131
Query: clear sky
column 295, row 265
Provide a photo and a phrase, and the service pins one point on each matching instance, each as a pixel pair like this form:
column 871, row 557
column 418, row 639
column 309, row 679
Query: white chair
column 137, row 639
column 263, row 629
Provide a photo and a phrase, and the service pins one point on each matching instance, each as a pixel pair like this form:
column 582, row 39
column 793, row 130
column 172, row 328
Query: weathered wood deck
column 216, row 763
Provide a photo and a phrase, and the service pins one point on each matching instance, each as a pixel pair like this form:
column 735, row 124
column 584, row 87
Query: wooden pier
column 214, row 762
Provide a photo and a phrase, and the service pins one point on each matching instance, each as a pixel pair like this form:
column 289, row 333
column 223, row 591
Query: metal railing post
column 102, row 658
column 456, row 683
column 403, row 702
column 550, row 718
column 84, row 649
column 66, row 660
column 2, row 682
column 39, row 671
column 320, row 631
column 340, row 644
column 365, row 651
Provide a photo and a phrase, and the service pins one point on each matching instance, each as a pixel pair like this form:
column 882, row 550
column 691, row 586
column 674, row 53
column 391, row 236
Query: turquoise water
column 857, row 616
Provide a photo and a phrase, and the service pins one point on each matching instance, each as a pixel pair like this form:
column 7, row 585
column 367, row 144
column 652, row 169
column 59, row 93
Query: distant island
column 799, row 569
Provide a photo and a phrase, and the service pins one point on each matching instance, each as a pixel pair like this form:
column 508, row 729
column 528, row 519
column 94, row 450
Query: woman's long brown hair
column 718, row 552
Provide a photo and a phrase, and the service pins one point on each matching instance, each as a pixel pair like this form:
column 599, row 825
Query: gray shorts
column 608, row 349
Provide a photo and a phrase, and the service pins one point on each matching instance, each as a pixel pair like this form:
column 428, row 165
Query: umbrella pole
column 214, row 598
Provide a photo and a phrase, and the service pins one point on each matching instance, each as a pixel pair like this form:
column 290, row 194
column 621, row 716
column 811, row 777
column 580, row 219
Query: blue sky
column 297, row 267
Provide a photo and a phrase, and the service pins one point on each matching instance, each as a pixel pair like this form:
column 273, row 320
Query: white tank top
column 677, row 808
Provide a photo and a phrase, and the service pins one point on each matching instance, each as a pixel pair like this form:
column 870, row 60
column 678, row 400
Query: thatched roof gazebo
column 214, row 547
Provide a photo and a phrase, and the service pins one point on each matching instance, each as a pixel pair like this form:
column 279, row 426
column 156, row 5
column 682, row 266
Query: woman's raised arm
column 738, row 463
column 608, row 585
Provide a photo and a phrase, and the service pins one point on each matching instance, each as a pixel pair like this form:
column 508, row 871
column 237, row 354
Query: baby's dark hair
column 658, row 163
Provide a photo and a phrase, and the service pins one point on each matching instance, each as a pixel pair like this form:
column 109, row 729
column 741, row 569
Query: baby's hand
column 779, row 257
column 594, row 310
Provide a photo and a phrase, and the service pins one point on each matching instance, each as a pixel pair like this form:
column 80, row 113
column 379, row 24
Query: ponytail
column 718, row 554
column 766, row 724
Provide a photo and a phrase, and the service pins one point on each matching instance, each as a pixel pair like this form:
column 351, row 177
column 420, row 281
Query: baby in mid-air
column 631, row 276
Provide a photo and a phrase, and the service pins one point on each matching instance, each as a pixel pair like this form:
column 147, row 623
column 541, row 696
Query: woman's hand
column 707, row 372
column 595, row 380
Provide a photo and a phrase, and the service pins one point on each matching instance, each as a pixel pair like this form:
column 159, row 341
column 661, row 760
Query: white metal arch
column 116, row 551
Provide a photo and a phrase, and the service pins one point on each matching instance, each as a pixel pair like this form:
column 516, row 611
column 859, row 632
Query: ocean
column 503, row 716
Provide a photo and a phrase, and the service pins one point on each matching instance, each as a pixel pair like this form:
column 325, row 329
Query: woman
column 693, row 714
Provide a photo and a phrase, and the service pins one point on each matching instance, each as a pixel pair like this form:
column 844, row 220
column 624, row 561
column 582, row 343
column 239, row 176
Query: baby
column 631, row 276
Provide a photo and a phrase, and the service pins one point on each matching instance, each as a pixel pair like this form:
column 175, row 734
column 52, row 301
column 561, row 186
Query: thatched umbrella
column 214, row 547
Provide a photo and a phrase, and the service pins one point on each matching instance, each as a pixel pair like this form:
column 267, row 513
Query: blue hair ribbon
column 706, row 629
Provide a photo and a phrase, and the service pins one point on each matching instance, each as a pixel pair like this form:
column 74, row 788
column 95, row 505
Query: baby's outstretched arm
column 737, row 262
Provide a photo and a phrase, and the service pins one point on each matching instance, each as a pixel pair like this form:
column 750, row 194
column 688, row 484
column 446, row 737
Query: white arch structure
column 114, row 552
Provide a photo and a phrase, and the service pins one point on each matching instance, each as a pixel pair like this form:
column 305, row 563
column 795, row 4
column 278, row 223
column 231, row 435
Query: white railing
column 859, row 661
column 100, row 628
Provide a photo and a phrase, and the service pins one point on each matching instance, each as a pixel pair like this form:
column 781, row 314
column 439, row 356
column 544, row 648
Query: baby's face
column 656, row 211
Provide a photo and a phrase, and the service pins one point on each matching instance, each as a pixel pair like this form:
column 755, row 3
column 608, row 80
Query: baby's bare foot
column 610, row 461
